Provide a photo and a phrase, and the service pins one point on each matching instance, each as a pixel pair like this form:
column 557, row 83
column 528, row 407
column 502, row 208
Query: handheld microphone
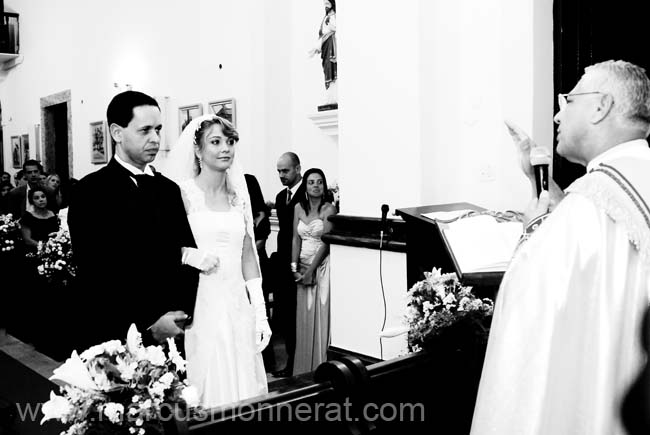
column 384, row 212
column 540, row 159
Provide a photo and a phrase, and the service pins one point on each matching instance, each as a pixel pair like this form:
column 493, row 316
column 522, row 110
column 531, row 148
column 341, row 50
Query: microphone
column 540, row 159
column 384, row 212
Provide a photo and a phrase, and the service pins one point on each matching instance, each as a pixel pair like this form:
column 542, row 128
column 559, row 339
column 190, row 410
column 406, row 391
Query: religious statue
column 326, row 46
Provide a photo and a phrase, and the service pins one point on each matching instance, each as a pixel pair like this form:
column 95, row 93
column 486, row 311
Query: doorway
column 56, row 138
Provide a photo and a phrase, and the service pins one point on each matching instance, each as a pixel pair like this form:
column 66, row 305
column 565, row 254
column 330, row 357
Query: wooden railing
column 412, row 394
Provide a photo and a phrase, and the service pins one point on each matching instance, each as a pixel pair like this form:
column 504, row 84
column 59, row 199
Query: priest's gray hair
column 629, row 86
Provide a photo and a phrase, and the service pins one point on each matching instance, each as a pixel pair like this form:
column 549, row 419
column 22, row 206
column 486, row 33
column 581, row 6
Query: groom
column 130, row 236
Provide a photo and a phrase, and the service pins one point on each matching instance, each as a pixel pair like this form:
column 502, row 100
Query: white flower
column 464, row 304
column 157, row 389
column 127, row 370
column 57, row 408
column 74, row 372
column 114, row 411
column 102, row 381
column 76, row 429
column 134, row 343
column 190, row 395
column 449, row 299
column 92, row 352
column 155, row 355
column 477, row 304
column 146, row 404
column 111, row 347
column 166, row 379
column 174, row 356
column 440, row 291
column 139, row 422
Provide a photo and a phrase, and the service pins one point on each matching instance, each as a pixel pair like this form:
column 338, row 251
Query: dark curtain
column 590, row 31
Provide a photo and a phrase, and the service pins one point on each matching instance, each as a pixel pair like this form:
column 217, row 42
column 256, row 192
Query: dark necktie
column 144, row 180
column 288, row 196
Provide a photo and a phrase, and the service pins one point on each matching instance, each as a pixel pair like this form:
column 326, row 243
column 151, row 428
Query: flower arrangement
column 439, row 302
column 54, row 258
column 333, row 193
column 116, row 388
column 10, row 234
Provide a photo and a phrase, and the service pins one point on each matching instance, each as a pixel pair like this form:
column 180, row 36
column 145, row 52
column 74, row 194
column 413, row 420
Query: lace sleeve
column 192, row 196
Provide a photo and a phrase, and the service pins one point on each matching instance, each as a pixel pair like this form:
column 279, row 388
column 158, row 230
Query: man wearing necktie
column 284, row 285
column 130, row 234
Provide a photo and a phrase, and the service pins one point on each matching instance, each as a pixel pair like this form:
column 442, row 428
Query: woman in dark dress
column 40, row 223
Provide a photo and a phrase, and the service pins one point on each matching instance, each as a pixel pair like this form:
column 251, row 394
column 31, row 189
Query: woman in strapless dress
column 310, row 267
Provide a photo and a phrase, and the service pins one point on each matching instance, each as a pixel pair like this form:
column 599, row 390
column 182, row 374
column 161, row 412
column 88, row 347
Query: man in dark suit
column 289, row 171
column 130, row 236
column 17, row 197
column 262, row 228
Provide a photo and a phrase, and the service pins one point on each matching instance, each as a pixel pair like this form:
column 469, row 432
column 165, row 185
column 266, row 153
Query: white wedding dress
column 222, row 358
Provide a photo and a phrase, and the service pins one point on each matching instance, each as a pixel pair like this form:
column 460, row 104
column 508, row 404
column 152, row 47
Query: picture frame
column 24, row 145
column 16, row 152
column 187, row 114
column 37, row 141
column 225, row 109
column 98, row 143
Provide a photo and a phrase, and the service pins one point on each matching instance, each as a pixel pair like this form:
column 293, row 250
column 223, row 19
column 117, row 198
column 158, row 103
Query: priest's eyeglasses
column 562, row 98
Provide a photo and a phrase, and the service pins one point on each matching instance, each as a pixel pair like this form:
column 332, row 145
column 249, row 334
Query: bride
column 223, row 345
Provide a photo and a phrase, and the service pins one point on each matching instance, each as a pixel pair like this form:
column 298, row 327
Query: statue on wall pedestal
column 326, row 46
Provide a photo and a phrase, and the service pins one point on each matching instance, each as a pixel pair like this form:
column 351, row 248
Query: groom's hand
column 206, row 262
column 167, row 326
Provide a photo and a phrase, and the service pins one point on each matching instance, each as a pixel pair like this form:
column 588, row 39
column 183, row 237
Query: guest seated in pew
column 5, row 187
column 40, row 223
column 53, row 181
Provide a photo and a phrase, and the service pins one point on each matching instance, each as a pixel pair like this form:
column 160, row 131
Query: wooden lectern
column 426, row 248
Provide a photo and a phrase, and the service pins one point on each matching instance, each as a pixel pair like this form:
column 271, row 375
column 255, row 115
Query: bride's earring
column 200, row 163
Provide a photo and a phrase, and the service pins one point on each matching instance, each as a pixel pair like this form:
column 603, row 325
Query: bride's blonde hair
column 229, row 131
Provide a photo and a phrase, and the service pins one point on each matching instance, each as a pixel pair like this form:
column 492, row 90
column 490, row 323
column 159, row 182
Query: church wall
column 425, row 89
column 174, row 50
column 379, row 105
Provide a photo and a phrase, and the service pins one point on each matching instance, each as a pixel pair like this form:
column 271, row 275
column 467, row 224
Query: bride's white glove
column 262, row 328
column 206, row 262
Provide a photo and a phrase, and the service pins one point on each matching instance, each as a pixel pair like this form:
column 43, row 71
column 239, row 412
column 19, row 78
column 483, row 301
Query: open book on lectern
column 480, row 244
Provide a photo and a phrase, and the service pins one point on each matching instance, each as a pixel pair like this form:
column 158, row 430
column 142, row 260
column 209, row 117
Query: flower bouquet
column 10, row 235
column 54, row 258
column 438, row 304
column 124, row 389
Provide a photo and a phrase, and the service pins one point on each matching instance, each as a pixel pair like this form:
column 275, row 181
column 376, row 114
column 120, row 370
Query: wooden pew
column 411, row 393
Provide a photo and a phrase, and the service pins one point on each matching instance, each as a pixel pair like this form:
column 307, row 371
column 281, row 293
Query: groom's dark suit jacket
column 127, row 241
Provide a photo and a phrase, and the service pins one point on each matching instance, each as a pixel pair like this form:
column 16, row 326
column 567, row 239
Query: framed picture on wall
column 225, row 109
column 16, row 152
column 37, row 141
column 98, row 143
column 24, row 143
column 187, row 114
